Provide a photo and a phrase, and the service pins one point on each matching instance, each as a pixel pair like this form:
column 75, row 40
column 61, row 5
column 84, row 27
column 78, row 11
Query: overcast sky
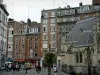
column 23, row 9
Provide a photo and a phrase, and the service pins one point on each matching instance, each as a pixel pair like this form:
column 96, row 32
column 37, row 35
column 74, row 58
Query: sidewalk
column 62, row 71
column 45, row 72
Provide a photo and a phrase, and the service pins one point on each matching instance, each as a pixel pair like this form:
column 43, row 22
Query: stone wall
column 82, row 69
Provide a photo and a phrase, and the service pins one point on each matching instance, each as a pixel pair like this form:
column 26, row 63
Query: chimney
column 29, row 22
column 10, row 19
column 81, row 4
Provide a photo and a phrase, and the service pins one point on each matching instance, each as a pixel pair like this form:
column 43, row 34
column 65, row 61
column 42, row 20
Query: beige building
column 82, row 46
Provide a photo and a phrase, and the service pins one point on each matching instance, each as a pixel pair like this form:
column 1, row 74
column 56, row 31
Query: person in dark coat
column 38, row 69
column 72, row 73
column 14, row 67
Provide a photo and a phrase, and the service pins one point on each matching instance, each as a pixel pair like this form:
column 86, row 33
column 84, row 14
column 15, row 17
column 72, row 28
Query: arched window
column 81, row 57
column 77, row 58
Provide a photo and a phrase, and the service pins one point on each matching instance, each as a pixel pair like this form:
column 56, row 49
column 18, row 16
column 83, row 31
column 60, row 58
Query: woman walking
column 14, row 68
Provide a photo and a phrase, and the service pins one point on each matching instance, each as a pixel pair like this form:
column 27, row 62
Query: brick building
column 26, row 41
column 49, row 31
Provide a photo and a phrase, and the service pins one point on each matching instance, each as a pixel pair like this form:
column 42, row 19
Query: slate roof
column 82, row 33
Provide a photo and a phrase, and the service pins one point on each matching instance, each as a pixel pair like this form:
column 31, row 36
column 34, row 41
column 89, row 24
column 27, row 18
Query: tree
column 49, row 60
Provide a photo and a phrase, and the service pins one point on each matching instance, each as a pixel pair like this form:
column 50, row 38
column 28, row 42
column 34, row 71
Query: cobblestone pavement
column 30, row 72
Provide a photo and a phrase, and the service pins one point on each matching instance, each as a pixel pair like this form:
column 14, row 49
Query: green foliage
column 49, row 59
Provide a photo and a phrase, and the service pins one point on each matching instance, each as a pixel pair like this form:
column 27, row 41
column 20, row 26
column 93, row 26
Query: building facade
column 67, row 19
column 24, row 41
column 77, row 52
column 3, row 34
column 49, row 31
column 10, row 37
column 19, row 42
column 33, row 42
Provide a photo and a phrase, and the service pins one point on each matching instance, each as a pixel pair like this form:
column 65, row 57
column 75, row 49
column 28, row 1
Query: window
column 9, row 46
column 77, row 58
column 35, row 54
column 10, row 26
column 37, row 30
column 31, row 29
column 22, row 46
column 45, row 21
column 52, row 36
column 10, row 32
column 9, row 53
column 22, row 39
column 21, row 32
column 53, row 14
column 35, row 39
column 44, row 29
column 52, row 28
column 44, row 37
column 16, row 46
column 16, row 38
column 53, row 45
column 35, row 45
column 80, row 57
column 45, row 15
column 52, row 20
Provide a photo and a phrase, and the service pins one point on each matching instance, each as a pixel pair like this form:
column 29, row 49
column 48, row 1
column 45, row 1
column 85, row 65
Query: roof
column 82, row 33
column 2, row 6
column 85, row 39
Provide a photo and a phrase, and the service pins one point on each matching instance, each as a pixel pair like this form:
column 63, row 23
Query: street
column 30, row 72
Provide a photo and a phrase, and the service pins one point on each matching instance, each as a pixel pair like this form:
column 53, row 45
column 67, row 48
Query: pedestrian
column 13, row 67
column 72, row 73
column 55, row 70
column 16, row 67
column 9, row 67
column 6, row 66
column 25, row 67
column 19, row 67
column 38, row 69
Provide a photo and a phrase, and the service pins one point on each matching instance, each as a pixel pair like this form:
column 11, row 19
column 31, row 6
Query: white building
column 3, row 34
column 10, row 30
